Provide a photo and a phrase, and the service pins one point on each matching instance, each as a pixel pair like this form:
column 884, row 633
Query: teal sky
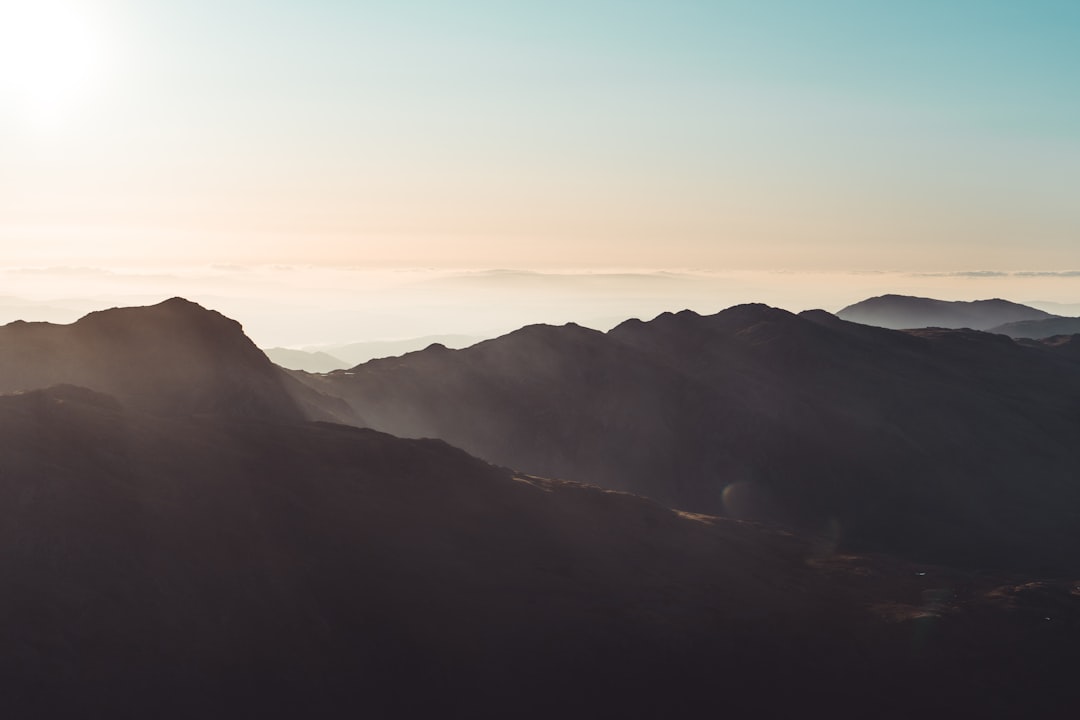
column 827, row 135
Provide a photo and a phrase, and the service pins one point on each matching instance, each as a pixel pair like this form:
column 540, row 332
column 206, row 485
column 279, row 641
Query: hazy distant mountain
column 15, row 308
column 1038, row 329
column 173, row 358
column 315, row 362
column 229, row 567
column 958, row 446
column 360, row 352
column 901, row 312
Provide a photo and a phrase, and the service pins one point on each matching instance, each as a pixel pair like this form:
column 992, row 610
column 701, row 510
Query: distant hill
column 910, row 442
column 901, row 312
column 1039, row 329
column 316, row 362
column 173, row 358
column 361, row 352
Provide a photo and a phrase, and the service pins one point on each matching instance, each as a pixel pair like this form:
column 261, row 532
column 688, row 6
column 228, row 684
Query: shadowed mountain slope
column 1064, row 346
column 225, row 567
column 172, row 358
column 955, row 446
column 902, row 311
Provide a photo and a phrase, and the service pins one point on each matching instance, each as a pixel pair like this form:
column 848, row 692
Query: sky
column 808, row 145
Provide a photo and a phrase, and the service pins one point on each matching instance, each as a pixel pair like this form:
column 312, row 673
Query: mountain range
column 186, row 534
column 947, row 446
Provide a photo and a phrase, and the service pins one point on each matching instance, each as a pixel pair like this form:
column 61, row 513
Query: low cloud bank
column 298, row 306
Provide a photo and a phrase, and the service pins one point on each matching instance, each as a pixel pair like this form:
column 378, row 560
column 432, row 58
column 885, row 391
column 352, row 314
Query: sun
column 51, row 58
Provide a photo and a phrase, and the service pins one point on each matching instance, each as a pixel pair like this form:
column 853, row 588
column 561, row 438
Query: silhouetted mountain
column 216, row 566
column 901, row 312
column 314, row 362
column 955, row 446
column 1039, row 329
column 172, row 358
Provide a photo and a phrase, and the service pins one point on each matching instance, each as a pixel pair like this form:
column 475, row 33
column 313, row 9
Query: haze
column 302, row 305
column 721, row 136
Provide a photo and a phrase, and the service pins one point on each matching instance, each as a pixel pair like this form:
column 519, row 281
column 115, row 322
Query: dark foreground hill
column 226, row 567
column 173, row 358
column 903, row 311
column 951, row 446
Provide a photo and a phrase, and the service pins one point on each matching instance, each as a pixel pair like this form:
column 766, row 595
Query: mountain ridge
column 810, row 416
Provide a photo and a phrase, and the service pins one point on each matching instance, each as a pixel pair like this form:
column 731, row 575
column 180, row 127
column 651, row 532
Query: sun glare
column 51, row 58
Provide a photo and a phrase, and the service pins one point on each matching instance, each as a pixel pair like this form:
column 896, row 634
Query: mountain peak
column 688, row 324
column 755, row 312
column 551, row 333
column 175, row 357
column 180, row 302
column 171, row 310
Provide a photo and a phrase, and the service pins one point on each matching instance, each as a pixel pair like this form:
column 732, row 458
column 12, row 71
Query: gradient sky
column 824, row 135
